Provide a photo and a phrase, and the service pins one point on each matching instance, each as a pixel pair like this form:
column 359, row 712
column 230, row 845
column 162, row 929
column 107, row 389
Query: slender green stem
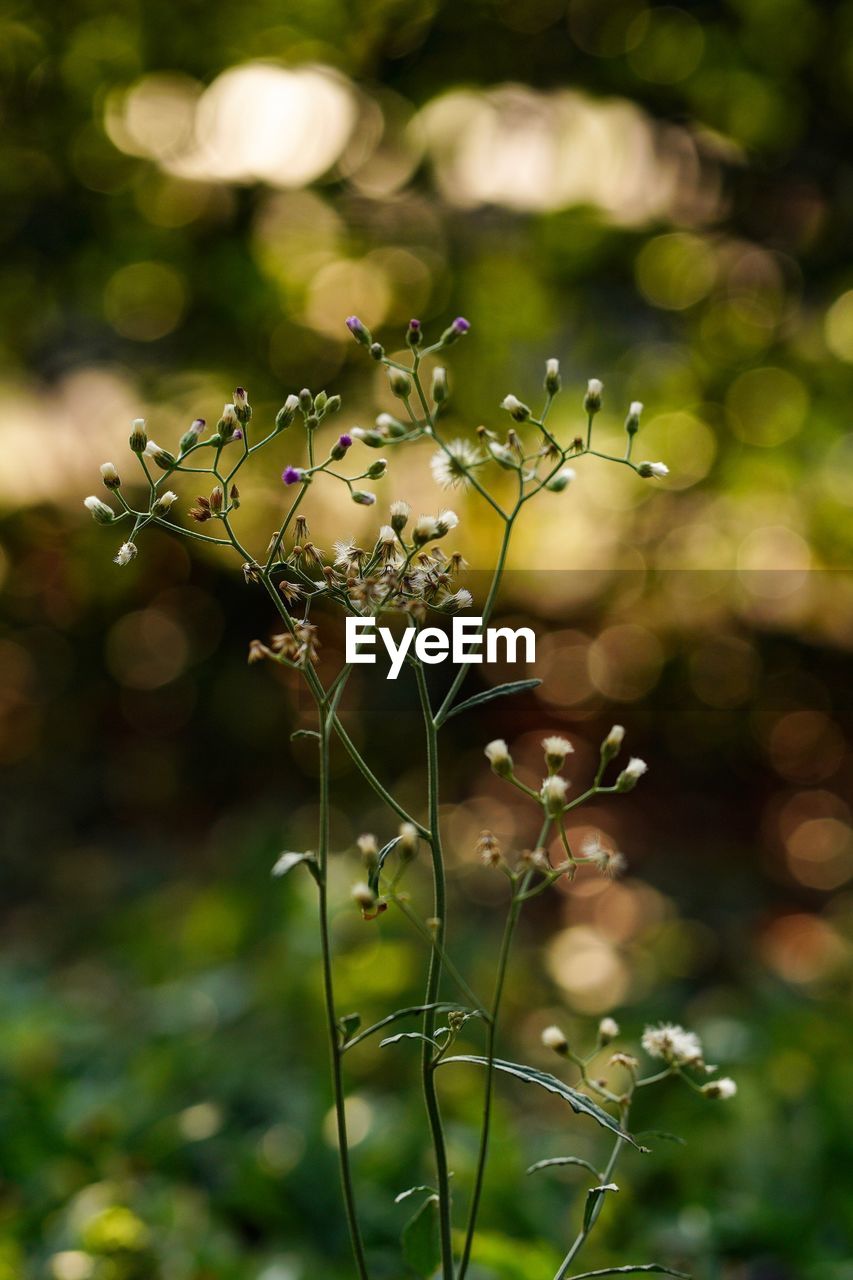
column 434, row 983
column 335, row 1051
column 581, row 1238
column 518, row 899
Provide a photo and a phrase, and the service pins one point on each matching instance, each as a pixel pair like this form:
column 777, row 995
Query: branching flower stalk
column 405, row 571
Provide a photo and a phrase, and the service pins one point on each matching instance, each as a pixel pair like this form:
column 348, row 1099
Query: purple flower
column 238, row 435
column 291, row 475
column 358, row 330
column 414, row 324
column 345, row 441
column 460, row 325
column 197, row 426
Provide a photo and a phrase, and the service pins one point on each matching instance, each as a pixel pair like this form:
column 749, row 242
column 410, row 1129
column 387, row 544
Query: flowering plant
column 405, row 571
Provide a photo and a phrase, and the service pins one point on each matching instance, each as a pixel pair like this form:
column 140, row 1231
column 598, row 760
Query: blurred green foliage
column 658, row 194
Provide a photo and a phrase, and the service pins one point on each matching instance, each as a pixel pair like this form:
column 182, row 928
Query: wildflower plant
column 404, row 570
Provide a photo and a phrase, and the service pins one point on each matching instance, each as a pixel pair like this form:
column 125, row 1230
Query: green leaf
column 659, row 1133
column 408, row 1035
column 594, row 1200
column 557, row 1160
column 373, row 878
column 414, row 1010
column 578, row 1101
column 287, row 861
column 349, row 1024
column 421, row 1247
column 411, row 1191
column 304, row 733
column 499, row 691
column 633, row 1271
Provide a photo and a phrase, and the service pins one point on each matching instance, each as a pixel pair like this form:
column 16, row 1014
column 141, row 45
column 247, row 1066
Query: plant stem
column 515, row 909
column 434, row 983
column 335, row 1054
column 580, row 1239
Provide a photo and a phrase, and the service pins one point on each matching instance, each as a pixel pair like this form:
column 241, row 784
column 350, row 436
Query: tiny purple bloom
column 345, row 441
column 353, row 324
column 238, row 435
column 414, row 324
column 461, row 325
column 291, row 475
column 197, row 426
column 358, row 330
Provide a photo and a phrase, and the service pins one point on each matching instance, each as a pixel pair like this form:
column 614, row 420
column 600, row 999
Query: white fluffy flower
column 553, row 1038
column 673, row 1044
column 657, row 469
column 450, row 467
column 461, row 599
column 553, row 792
column 608, row 861
column 608, row 1029
column 125, row 553
column 497, row 754
column 445, row 521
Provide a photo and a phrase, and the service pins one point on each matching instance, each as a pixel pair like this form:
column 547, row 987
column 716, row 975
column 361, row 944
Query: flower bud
column 556, row 749
column 444, row 522
column 503, row 456
column 363, row 498
column 553, row 792
column 228, row 423
column 163, row 502
column 632, row 422
column 425, row 529
column 722, row 1088
column 320, row 402
column 592, row 399
column 340, row 447
column 377, row 351
column 414, row 335
column 552, row 377
column 407, row 845
column 101, row 513
column 364, row 896
column 612, row 744
column 110, row 476
column 656, row 469
column 401, row 383
column 191, row 435
column 440, row 390
column 377, row 469
column 454, row 332
column 608, row 1029
column 391, row 426
column 631, row 774
column 333, row 404
column 400, row 512
column 373, row 439
column 561, row 480
column 242, row 408
column 369, row 850
column 138, row 437
column 164, row 460
column 520, row 412
column 292, row 475
column 498, row 756
column 554, row 1038
column 286, row 413
column 306, row 400
column 359, row 331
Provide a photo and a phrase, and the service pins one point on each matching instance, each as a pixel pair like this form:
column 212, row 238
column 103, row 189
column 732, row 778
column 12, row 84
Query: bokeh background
column 196, row 195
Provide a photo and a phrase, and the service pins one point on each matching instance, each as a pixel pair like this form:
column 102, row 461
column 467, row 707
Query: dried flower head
column 489, row 849
column 608, row 1030
column 723, row 1088
column 451, row 465
column 673, row 1044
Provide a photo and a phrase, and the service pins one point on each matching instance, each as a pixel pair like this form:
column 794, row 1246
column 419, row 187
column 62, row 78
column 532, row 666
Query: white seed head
column 630, row 775
column 450, row 466
column 445, row 521
column 363, row 895
column 110, row 475
column 125, row 553
column 556, row 749
column 649, row 469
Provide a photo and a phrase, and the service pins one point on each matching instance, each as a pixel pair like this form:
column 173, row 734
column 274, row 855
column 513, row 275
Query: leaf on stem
column 411, row 1035
column 373, row 878
column 558, row 1160
column 421, row 1247
column 499, row 691
column 411, row 1191
column 594, row 1199
column 633, row 1271
column 287, row 861
column 578, row 1101
column 415, row 1010
column 349, row 1024
column 304, row 733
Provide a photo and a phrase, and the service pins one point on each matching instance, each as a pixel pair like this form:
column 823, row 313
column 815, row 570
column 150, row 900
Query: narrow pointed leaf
column 349, row 1024
column 632, row 1271
column 558, row 1160
column 421, row 1247
column 287, row 861
column 665, row 1137
column 412, row 1011
column 304, row 733
column 373, row 878
column 407, row 1035
column 578, row 1101
column 499, row 691
column 594, row 1200
column 411, row 1191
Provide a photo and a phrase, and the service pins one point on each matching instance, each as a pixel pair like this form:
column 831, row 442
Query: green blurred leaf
column 594, row 1200
column 499, row 691
column 373, row 878
column 559, row 1160
column 287, row 861
column 579, row 1102
column 421, row 1247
